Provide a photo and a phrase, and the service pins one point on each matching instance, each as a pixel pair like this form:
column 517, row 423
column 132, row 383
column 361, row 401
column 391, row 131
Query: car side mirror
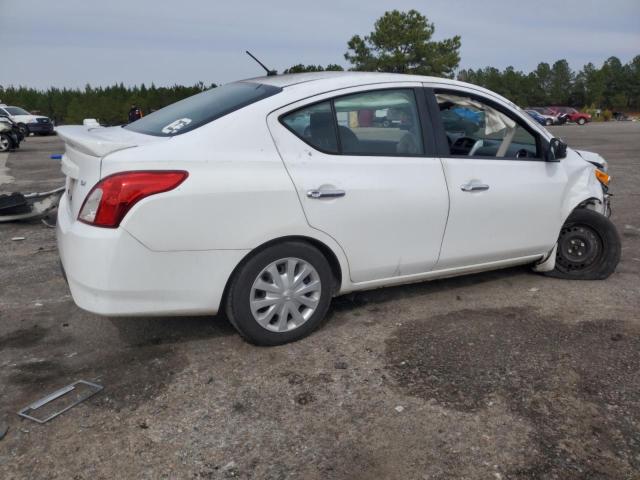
column 556, row 150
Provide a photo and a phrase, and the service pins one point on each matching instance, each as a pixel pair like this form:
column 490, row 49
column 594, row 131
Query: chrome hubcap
column 285, row 294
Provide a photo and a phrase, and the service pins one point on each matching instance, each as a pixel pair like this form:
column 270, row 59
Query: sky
column 69, row 43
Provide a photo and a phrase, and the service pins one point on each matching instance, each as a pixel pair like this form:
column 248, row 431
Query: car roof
column 327, row 81
column 357, row 78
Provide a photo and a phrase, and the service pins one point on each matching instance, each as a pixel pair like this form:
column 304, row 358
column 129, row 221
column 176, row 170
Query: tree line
column 613, row 86
column 108, row 104
column 401, row 42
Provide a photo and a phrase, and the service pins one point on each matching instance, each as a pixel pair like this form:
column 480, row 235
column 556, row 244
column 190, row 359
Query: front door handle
column 474, row 187
column 325, row 193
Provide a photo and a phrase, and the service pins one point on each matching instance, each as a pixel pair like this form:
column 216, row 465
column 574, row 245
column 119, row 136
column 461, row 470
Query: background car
column 539, row 118
column 551, row 118
column 572, row 114
column 267, row 197
column 28, row 122
column 10, row 134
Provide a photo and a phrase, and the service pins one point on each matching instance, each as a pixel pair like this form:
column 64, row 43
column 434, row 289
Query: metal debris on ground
column 17, row 239
column 19, row 206
column 68, row 396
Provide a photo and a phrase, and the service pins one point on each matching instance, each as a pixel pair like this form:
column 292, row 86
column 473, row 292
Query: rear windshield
column 195, row 111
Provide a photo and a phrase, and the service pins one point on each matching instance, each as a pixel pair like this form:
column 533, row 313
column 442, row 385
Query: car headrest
column 320, row 121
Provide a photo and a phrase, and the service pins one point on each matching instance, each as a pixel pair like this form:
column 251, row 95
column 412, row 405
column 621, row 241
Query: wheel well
column 334, row 264
column 590, row 203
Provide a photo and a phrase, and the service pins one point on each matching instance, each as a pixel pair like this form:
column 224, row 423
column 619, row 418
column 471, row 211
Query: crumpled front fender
column 583, row 188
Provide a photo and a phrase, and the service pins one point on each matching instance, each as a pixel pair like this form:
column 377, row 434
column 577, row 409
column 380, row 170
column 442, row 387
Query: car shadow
column 356, row 300
column 148, row 331
column 153, row 331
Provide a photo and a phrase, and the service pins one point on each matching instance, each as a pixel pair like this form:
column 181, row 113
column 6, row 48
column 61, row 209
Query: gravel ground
column 505, row 375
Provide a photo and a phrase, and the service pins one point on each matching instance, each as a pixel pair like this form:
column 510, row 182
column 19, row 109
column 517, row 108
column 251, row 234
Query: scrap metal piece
column 27, row 411
column 20, row 206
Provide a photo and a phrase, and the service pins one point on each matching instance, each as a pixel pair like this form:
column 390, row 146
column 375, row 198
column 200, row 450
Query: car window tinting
column 475, row 128
column 195, row 111
column 315, row 125
column 383, row 122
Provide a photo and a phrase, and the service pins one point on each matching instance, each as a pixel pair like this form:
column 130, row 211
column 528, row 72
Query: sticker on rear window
column 176, row 126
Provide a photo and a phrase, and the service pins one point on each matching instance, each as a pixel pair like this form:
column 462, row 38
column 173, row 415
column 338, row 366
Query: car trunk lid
column 85, row 148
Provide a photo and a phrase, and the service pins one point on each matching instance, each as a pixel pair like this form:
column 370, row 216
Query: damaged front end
column 601, row 173
column 587, row 188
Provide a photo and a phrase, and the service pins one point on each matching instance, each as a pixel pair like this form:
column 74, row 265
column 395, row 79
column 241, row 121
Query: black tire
column 238, row 296
column 588, row 247
column 581, row 121
column 6, row 143
column 23, row 129
column 548, row 122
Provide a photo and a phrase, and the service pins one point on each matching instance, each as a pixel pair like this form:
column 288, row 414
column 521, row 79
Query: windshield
column 16, row 111
column 195, row 111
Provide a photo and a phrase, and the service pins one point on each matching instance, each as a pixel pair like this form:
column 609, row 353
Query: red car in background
column 572, row 114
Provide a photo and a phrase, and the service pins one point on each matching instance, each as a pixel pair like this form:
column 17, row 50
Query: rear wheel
column 588, row 247
column 281, row 294
column 23, row 129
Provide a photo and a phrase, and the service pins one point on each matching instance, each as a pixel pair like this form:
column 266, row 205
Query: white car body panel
column 403, row 219
column 517, row 216
column 376, row 221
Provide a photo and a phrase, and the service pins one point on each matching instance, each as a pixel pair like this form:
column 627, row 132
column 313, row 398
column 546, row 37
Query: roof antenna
column 270, row 73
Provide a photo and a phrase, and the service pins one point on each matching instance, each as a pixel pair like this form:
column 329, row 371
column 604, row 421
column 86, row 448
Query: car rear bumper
column 111, row 273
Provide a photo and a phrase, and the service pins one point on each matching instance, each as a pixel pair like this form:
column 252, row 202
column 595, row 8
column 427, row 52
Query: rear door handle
column 474, row 187
column 325, row 193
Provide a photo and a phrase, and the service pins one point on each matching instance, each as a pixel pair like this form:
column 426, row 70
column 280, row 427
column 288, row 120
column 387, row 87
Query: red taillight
column 113, row 196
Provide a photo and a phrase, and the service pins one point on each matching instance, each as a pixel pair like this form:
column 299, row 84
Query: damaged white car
column 267, row 197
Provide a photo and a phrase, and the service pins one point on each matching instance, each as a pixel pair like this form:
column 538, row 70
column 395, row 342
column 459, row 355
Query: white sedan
column 267, row 197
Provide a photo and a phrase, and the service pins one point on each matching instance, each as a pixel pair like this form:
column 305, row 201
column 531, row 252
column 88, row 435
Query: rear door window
column 377, row 123
column 195, row 111
column 383, row 122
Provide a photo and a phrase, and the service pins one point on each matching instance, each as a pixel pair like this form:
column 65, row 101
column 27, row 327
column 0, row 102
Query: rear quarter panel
column 237, row 188
column 238, row 195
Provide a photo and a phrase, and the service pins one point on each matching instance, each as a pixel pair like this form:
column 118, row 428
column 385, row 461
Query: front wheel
column 5, row 143
column 581, row 121
column 281, row 294
column 588, row 247
column 548, row 122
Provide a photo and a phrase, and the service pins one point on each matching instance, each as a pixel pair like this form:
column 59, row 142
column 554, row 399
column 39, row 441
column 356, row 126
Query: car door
column 504, row 197
column 365, row 171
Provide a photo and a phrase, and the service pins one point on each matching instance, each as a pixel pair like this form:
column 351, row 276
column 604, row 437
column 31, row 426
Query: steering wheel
column 462, row 145
column 476, row 146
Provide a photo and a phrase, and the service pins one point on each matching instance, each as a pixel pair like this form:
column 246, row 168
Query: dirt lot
column 505, row 375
